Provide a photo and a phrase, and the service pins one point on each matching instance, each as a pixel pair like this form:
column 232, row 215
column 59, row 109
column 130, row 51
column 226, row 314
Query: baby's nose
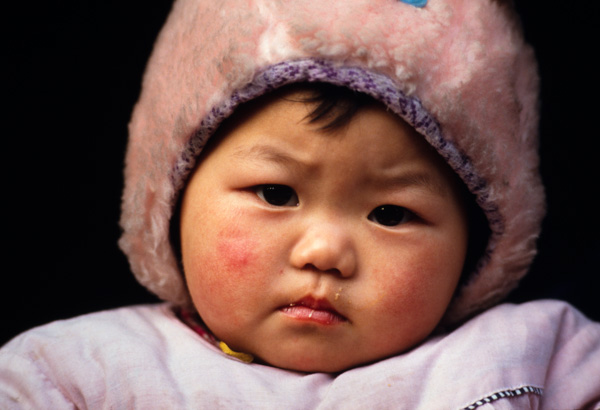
column 327, row 247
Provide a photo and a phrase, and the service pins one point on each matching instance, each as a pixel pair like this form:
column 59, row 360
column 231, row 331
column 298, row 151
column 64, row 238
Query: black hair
column 333, row 106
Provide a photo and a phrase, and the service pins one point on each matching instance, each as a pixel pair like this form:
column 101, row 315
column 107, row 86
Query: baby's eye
column 277, row 195
column 390, row 215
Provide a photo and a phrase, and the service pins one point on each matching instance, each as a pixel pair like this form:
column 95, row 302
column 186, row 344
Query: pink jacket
column 540, row 355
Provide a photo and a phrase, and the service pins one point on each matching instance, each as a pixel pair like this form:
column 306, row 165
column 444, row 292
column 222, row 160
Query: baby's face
column 318, row 251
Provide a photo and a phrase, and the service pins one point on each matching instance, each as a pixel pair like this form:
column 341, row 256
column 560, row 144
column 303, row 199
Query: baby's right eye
column 277, row 195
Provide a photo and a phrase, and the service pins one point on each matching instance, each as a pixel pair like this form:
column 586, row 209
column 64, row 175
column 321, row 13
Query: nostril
column 311, row 267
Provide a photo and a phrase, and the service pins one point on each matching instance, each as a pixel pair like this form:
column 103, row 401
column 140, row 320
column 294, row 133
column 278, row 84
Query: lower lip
column 324, row 317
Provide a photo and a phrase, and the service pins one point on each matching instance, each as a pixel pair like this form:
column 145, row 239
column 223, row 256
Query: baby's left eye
column 277, row 195
column 390, row 215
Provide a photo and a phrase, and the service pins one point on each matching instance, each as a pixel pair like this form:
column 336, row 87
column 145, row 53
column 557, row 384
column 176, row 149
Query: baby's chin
column 335, row 362
column 321, row 353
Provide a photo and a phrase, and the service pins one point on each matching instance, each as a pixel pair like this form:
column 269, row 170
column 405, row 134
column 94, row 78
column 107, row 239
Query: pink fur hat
column 456, row 70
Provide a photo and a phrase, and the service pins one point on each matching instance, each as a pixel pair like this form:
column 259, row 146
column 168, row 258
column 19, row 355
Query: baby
column 332, row 198
column 321, row 249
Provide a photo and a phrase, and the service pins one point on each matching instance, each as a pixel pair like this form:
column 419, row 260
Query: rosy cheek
column 397, row 290
column 244, row 261
column 222, row 268
column 236, row 251
column 228, row 273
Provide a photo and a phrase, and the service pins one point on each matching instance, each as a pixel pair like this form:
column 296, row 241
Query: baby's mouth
column 313, row 310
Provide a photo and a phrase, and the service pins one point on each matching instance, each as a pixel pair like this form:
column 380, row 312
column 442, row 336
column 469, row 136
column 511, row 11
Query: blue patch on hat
column 416, row 3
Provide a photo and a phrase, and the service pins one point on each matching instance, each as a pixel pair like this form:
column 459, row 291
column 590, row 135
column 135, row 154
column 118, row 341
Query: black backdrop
column 73, row 74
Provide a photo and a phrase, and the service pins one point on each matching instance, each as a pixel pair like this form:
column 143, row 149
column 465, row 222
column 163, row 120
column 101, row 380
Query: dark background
column 73, row 74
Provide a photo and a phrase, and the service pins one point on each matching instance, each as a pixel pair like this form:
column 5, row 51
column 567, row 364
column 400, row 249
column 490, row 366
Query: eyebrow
column 263, row 152
column 418, row 179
